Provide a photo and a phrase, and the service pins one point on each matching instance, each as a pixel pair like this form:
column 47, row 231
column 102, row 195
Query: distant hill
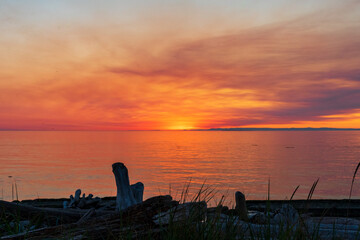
column 283, row 129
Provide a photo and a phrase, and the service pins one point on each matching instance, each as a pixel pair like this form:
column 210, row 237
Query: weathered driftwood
column 81, row 202
column 126, row 195
column 145, row 211
column 138, row 191
column 144, row 220
column 94, row 232
column 52, row 215
column 311, row 230
column 86, row 216
column 241, row 205
column 191, row 211
column 287, row 214
column 317, row 207
column 40, row 233
column 217, row 210
column 77, row 195
column 136, row 218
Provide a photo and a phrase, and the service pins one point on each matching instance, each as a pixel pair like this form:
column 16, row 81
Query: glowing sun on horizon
column 181, row 126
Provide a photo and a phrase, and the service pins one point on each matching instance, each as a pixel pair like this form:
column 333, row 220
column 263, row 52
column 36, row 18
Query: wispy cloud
column 290, row 72
column 306, row 70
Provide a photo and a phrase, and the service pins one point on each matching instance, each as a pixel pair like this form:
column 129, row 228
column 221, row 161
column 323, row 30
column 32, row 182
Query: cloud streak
column 295, row 72
column 307, row 72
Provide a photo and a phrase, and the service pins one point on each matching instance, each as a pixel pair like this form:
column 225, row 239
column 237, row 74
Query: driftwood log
column 52, row 215
column 138, row 191
column 136, row 218
column 183, row 212
column 241, row 205
column 81, row 202
column 126, row 195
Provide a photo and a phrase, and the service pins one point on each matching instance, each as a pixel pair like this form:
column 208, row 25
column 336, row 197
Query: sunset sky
column 142, row 65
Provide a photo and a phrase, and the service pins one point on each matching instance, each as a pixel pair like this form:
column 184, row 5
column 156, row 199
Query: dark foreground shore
column 162, row 217
column 315, row 207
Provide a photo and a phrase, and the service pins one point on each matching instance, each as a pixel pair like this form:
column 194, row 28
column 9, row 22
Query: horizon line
column 199, row 129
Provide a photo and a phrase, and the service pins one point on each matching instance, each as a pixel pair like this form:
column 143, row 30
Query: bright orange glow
column 181, row 127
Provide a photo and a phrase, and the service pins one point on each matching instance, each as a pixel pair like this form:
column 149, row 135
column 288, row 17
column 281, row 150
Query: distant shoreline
column 283, row 129
column 192, row 130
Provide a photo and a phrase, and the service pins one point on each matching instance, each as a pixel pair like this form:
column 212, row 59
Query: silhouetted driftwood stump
column 241, row 205
column 126, row 195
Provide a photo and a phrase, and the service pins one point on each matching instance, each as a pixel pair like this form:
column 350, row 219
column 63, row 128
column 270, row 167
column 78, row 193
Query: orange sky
column 83, row 66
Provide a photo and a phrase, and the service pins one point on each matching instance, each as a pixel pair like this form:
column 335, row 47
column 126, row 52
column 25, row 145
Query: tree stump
column 126, row 195
column 138, row 191
column 241, row 205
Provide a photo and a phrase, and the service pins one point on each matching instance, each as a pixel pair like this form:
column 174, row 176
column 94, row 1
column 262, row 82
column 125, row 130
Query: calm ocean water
column 55, row 164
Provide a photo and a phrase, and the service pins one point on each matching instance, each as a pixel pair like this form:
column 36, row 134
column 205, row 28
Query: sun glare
column 181, row 127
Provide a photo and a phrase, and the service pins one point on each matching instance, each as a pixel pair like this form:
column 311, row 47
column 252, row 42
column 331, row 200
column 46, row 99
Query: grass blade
column 268, row 197
column 352, row 185
column 353, row 179
column 16, row 191
column 294, row 192
column 12, row 191
column 312, row 189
